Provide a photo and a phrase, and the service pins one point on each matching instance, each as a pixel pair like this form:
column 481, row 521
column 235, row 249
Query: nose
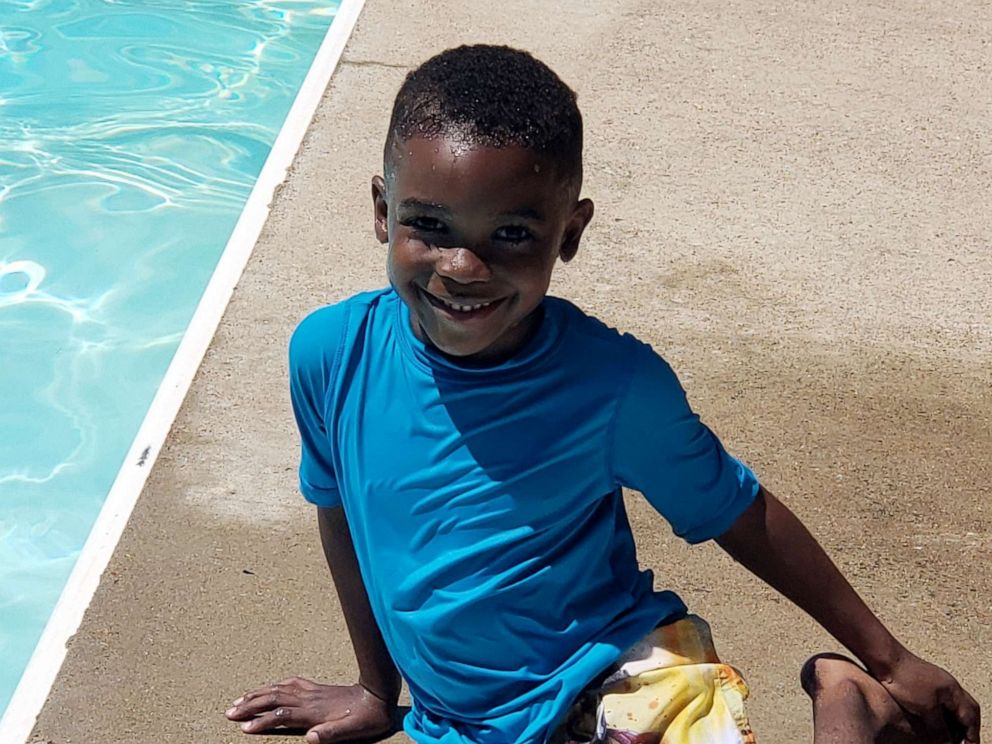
column 462, row 265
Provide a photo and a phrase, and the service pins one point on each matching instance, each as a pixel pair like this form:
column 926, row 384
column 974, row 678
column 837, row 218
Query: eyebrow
column 417, row 204
column 426, row 206
column 525, row 213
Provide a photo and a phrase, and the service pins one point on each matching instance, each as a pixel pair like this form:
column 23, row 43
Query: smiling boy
column 465, row 439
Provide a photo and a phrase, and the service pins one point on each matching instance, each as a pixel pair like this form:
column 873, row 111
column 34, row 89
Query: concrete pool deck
column 792, row 206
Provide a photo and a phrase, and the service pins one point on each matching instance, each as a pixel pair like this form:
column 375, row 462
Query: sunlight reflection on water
column 131, row 134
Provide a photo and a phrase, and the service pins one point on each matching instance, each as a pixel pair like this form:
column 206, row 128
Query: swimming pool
column 133, row 135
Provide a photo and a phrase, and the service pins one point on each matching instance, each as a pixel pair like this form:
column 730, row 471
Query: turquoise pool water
column 131, row 133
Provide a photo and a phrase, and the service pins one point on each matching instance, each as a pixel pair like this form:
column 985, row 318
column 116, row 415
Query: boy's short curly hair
column 493, row 96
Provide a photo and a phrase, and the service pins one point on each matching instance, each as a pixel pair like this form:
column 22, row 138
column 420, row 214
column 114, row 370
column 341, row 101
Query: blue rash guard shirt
column 485, row 503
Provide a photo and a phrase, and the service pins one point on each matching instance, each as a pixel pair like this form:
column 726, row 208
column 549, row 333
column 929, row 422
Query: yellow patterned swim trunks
column 670, row 688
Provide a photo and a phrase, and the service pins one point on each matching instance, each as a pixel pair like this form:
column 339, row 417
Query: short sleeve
column 312, row 351
column 663, row 450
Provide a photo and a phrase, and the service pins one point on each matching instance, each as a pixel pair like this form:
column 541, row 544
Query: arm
column 773, row 544
column 376, row 671
column 333, row 713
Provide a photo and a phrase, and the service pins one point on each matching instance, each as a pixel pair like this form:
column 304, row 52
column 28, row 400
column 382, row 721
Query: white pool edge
column 36, row 682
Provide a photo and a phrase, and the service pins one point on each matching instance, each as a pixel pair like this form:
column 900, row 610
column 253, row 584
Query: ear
column 380, row 205
column 576, row 225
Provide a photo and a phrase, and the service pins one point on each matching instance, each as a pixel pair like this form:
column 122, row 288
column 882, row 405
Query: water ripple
column 131, row 134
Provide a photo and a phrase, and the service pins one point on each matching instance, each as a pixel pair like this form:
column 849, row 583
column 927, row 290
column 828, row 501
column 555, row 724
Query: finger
column 349, row 727
column 299, row 682
column 937, row 730
column 259, row 692
column 250, row 695
column 281, row 717
column 969, row 715
column 261, row 703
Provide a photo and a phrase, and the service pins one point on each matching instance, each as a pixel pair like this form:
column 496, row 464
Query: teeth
column 465, row 308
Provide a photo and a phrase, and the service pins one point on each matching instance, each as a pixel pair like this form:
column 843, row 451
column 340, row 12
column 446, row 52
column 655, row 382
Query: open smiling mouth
column 462, row 312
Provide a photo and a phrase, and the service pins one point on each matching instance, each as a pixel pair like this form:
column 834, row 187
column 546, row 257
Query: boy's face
column 474, row 233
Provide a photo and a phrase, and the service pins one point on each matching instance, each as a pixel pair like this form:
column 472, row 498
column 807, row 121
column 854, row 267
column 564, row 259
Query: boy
column 465, row 439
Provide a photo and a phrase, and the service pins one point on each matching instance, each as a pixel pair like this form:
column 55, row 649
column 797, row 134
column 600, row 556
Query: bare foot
column 327, row 713
column 851, row 707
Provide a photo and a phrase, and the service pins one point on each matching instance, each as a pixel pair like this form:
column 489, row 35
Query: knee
column 838, row 686
column 831, row 672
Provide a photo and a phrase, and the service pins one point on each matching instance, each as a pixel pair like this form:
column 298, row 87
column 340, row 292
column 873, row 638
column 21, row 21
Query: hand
column 950, row 714
column 328, row 713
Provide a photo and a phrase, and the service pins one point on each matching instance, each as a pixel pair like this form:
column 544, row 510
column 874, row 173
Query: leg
column 851, row 707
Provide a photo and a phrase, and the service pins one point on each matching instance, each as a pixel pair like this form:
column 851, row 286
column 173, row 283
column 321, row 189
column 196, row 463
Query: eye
column 424, row 224
column 513, row 234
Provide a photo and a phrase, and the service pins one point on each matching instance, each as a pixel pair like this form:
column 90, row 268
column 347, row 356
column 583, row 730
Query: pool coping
column 43, row 667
